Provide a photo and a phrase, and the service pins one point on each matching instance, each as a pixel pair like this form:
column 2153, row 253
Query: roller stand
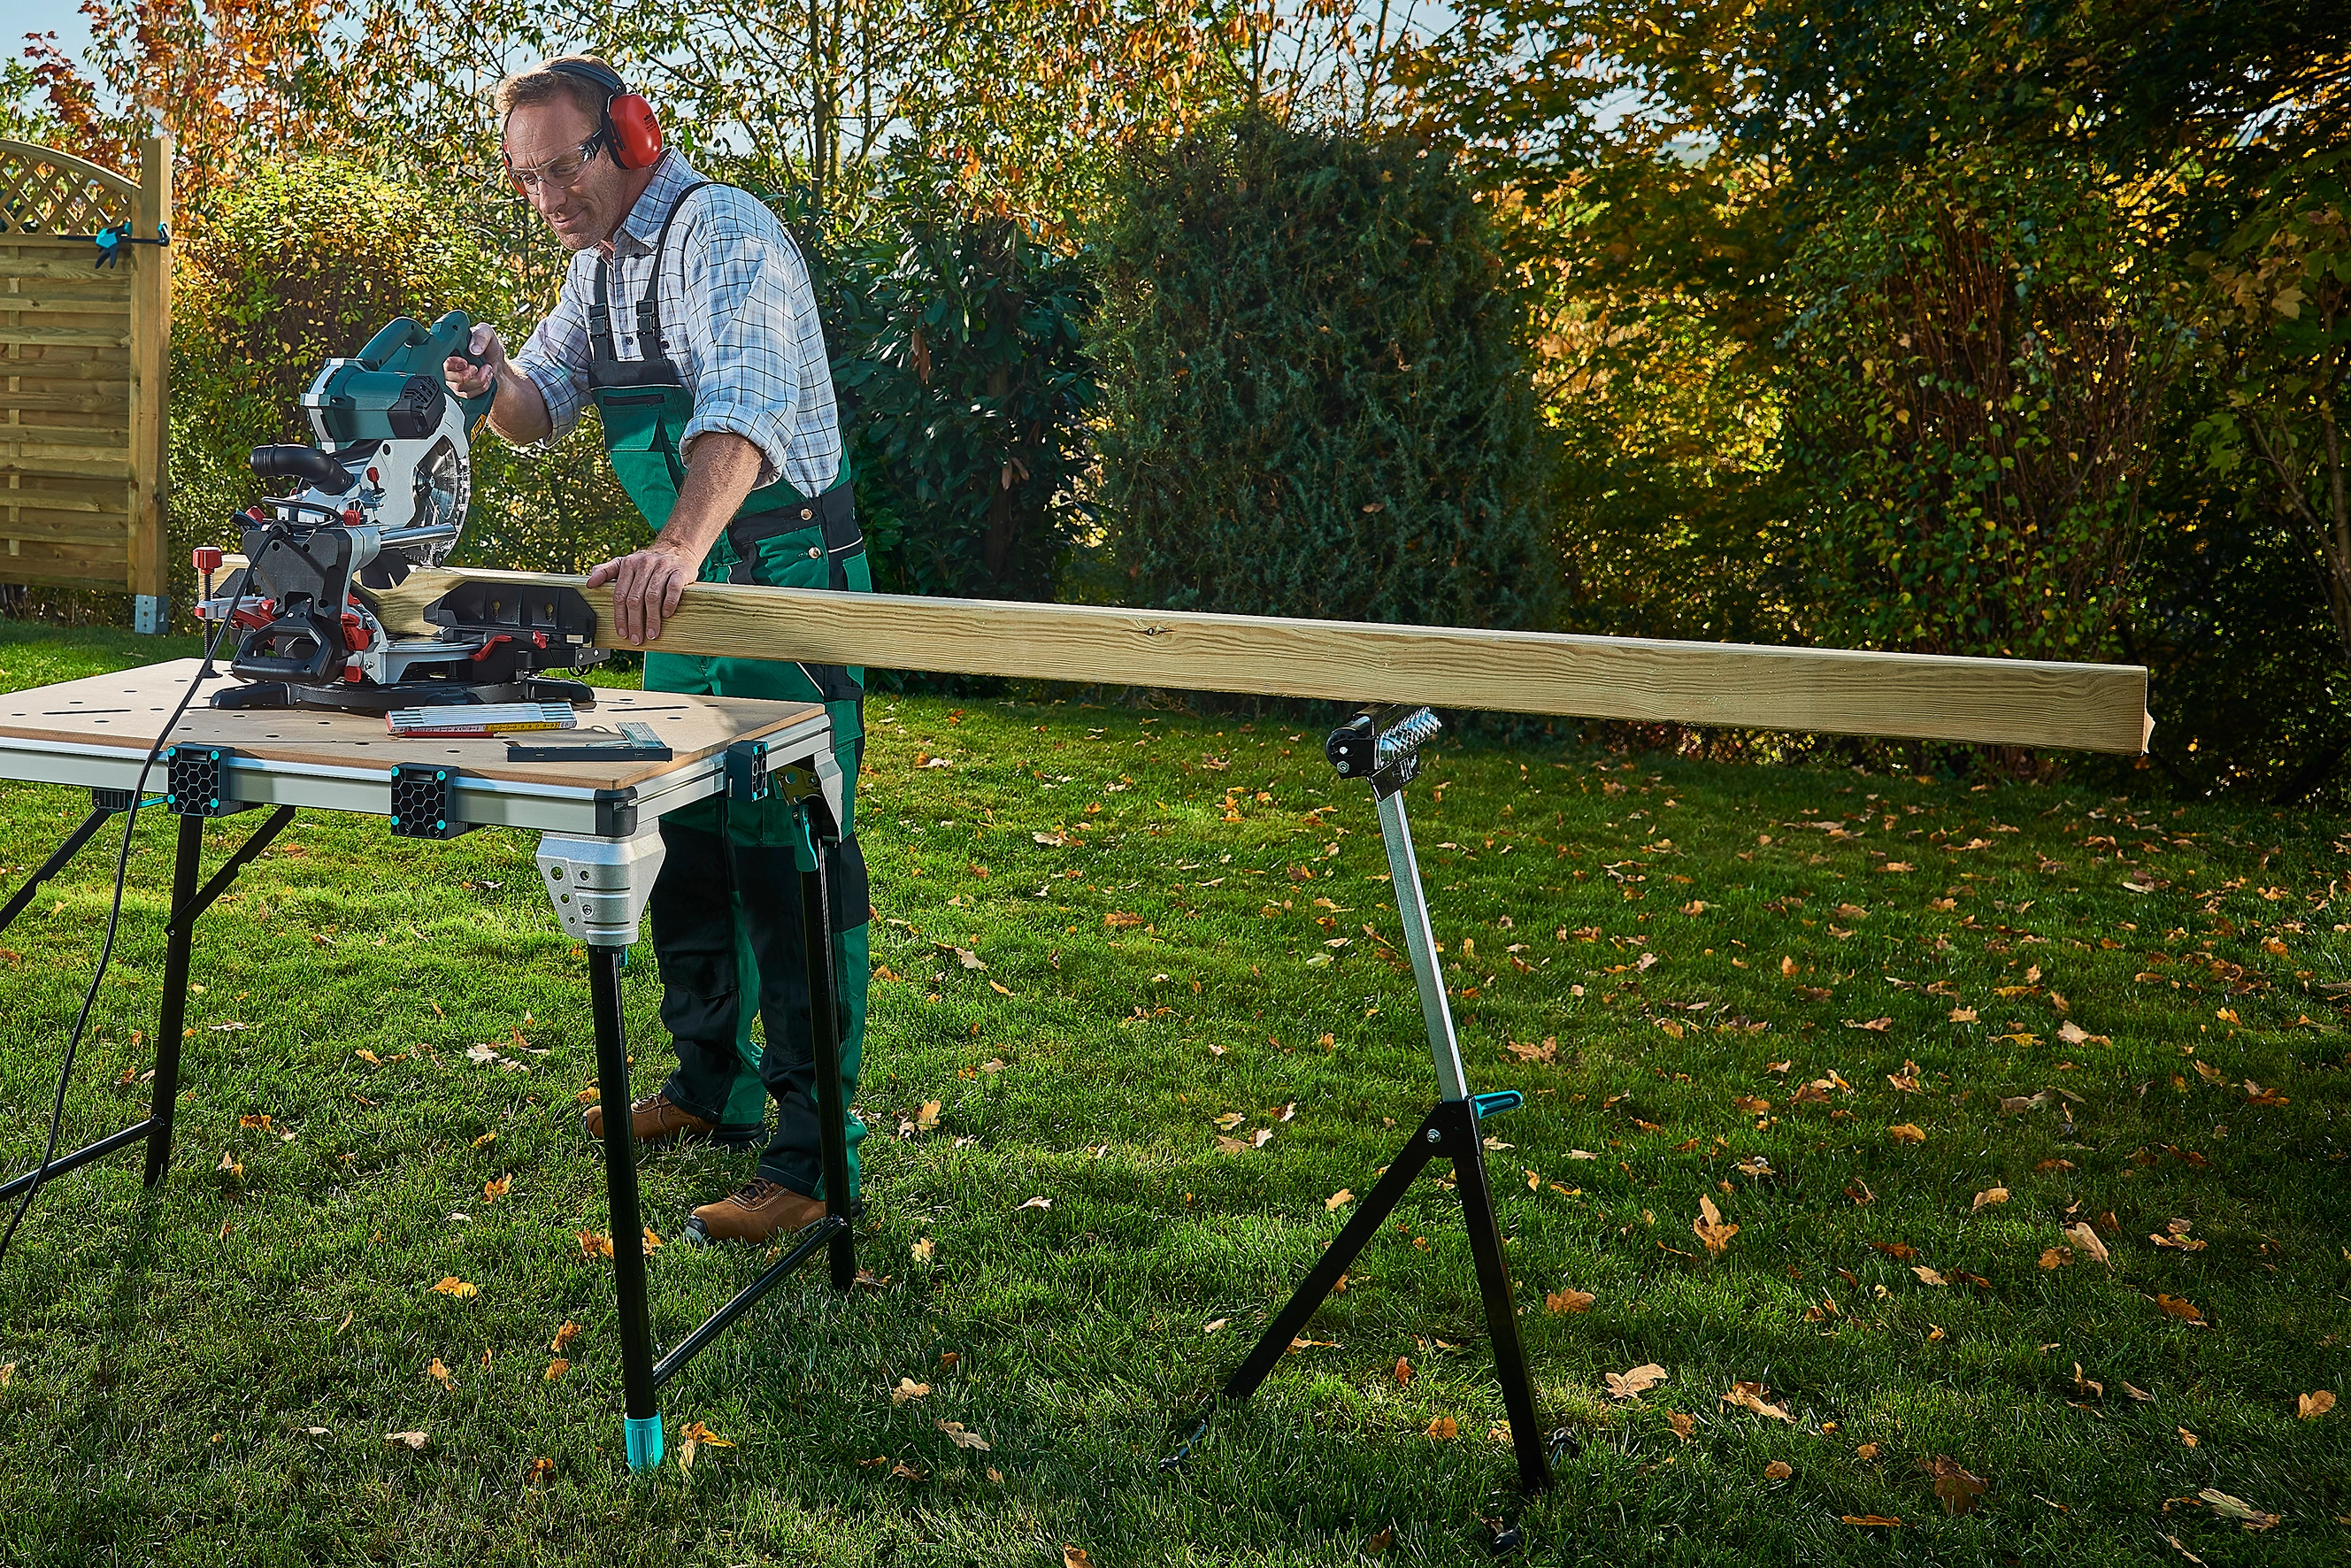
column 1385, row 749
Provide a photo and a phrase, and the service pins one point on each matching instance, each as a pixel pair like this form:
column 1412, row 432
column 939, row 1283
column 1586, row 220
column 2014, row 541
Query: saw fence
column 85, row 347
column 1909, row 696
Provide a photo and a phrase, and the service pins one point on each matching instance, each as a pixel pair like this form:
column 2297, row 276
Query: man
column 688, row 318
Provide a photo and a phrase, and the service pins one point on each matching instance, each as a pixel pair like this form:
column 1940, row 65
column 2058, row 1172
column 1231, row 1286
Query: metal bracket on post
column 747, row 771
column 150, row 614
column 599, row 887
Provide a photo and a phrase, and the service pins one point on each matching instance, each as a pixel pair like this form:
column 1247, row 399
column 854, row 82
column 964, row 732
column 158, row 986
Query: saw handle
column 408, row 345
column 453, row 335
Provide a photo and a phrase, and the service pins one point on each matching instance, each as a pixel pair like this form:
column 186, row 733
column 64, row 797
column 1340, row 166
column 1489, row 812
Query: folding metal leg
column 177, row 940
column 54, row 864
column 824, row 1027
column 642, row 1424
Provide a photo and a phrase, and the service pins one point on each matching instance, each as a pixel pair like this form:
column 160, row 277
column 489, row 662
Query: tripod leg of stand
column 1494, row 1287
column 176, row 945
column 1360, row 1227
column 642, row 1427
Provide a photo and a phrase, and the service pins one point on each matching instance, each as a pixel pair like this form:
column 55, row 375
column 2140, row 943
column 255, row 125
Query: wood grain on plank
column 2011, row 702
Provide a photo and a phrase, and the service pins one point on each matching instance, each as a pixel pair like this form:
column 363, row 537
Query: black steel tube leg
column 824, row 1029
column 177, row 938
column 642, row 1428
column 1494, row 1286
column 51, row 866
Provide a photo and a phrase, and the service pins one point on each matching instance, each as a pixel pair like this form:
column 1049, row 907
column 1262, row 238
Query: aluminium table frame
column 599, row 851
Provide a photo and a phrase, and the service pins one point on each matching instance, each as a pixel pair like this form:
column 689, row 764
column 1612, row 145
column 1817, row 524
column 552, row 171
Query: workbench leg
column 1493, row 1268
column 177, row 939
column 642, row 1425
column 824, row 1029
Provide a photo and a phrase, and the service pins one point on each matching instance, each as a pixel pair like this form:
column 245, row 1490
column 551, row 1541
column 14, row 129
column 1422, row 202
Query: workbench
column 599, row 851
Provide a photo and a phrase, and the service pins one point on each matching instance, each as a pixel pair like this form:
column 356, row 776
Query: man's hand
column 518, row 412
column 646, row 587
column 467, row 379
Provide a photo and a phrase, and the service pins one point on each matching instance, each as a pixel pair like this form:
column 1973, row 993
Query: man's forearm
column 519, row 412
column 721, row 469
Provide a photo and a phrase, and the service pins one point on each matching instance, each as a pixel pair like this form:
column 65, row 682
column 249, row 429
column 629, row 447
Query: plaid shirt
column 738, row 319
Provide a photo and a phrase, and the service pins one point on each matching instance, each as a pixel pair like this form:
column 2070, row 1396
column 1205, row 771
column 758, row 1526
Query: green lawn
column 1183, row 926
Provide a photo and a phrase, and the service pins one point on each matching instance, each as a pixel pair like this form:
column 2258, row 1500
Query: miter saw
column 384, row 493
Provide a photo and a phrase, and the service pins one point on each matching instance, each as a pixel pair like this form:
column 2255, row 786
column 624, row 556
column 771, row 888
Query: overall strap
column 649, row 325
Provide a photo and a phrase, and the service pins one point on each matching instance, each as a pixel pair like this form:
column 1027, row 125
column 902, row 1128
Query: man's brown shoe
column 759, row 1211
column 653, row 1120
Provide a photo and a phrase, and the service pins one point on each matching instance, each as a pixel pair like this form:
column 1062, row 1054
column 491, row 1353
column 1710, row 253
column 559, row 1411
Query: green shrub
column 1973, row 371
column 1318, row 400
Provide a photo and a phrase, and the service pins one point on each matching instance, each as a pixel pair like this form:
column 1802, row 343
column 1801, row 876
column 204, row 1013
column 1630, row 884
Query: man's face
column 544, row 138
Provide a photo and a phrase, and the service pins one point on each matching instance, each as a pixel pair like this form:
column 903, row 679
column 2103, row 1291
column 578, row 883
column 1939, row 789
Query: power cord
column 114, row 913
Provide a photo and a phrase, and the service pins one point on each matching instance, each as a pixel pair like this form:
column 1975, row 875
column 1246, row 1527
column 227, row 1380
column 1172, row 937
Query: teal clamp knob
column 1495, row 1103
column 644, row 1435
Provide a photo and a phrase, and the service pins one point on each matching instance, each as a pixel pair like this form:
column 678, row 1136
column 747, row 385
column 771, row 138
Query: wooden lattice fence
column 85, row 352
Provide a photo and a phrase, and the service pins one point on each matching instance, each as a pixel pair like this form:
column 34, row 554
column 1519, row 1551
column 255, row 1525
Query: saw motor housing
column 385, row 492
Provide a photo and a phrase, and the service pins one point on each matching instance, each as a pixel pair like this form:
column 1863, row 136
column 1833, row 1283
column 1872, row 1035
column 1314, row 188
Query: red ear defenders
column 628, row 130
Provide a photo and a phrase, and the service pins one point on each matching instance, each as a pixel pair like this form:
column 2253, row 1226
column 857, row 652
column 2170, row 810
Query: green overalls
column 726, row 907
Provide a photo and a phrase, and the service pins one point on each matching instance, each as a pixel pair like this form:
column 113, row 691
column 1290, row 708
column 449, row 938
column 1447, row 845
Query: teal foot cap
column 644, row 1435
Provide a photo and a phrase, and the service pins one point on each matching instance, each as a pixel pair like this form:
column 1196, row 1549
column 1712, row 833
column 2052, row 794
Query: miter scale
column 384, row 493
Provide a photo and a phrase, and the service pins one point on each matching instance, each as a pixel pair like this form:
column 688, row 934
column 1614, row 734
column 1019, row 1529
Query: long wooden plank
column 115, row 402
column 66, row 468
column 2012, row 702
column 75, row 265
column 69, row 336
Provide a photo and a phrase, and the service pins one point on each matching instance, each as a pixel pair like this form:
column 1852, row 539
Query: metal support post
column 177, row 937
column 642, row 1426
column 824, row 1030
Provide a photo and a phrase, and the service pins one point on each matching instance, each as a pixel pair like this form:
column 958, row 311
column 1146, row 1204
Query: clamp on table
column 1384, row 747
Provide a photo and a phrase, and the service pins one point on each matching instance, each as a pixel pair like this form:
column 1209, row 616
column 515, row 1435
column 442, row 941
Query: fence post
column 151, row 367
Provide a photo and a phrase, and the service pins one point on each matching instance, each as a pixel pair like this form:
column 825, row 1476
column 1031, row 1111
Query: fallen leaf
column 1402, row 1374
column 2237, row 1509
column 2179, row 1307
column 1876, row 1026
column 1443, row 1426
column 1752, row 1397
column 440, row 1374
column 454, row 1287
column 1927, row 1276
column 1990, row 1196
column 1036, row 1203
column 1873, row 1520
column 1633, row 1384
column 593, row 1246
column 921, row 1251
column 2086, row 1240
column 1684, row 1426
column 542, row 1470
column 1075, row 1557
column 1213, row 1324
column 2135, row 1392
column 494, row 1190
column 926, row 1120
column 1906, row 1133
column 2056, row 1256
column 1956, row 1488
column 556, row 1369
column 1571, row 1301
column 903, row 1471
column 7, row 1373
column 1710, row 1228
column 2311, row 1407
column 962, row 1439
column 1121, row 921
column 413, row 1439
column 1866, row 1451
column 1778, row 1471
column 2183, row 1550
column 2189, row 1437
column 908, row 1389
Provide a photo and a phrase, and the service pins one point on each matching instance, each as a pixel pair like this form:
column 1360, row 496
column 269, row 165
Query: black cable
column 114, row 915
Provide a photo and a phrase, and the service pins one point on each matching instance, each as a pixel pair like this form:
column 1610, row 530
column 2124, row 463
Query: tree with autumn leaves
column 2008, row 329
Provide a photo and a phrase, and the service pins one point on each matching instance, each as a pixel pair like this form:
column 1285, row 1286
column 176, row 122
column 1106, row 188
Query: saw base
column 347, row 696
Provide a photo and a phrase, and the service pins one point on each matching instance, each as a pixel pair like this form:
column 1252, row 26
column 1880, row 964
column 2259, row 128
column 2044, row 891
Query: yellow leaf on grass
column 2179, row 1307
column 2085, row 1241
column 1443, row 1426
column 1873, row 1520
column 2238, row 1509
column 440, row 1374
column 1906, row 1133
column 921, row 1251
column 1633, row 1384
column 407, row 1439
column 1866, row 1452
column 1338, row 1199
column 556, row 1369
column 593, row 1246
column 908, row 1389
column 1075, row 1557
column 1710, row 1228
column 452, row 1286
column 542, row 1470
column 926, row 1120
column 2056, row 1256
column 1568, row 1300
column 495, row 1190
column 486, row 1140
column 1989, row 1196
column 1755, row 1397
column 962, row 1439
column 1684, row 1425
column 564, row 1336
column 2311, row 1407
column 1779, row 1470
